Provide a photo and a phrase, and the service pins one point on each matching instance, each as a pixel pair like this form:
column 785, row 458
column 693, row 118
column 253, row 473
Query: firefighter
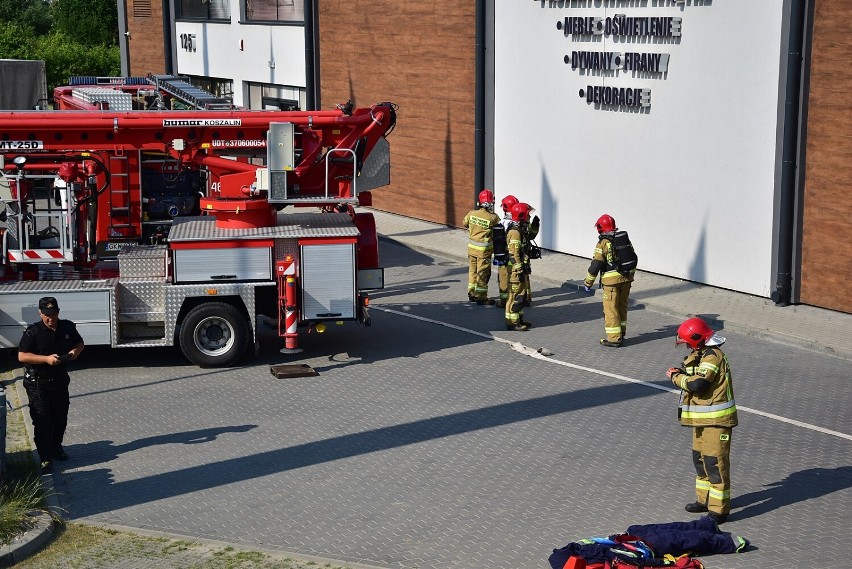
column 480, row 247
column 615, row 285
column 707, row 405
column 44, row 349
column 514, row 310
column 502, row 265
column 530, row 234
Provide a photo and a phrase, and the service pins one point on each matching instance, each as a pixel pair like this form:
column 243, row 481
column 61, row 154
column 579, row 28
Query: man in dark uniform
column 44, row 349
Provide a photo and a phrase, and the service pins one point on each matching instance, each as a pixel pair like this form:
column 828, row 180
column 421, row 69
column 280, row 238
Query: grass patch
column 88, row 547
column 17, row 499
column 21, row 490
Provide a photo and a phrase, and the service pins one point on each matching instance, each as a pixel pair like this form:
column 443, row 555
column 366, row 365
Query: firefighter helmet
column 605, row 223
column 486, row 198
column 521, row 212
column 695, row 333
column 507, row 203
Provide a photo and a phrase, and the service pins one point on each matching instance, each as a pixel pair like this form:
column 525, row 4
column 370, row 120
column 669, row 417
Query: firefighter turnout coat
column 707, row 405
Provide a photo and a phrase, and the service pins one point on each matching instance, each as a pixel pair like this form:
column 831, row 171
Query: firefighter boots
column 695, row 508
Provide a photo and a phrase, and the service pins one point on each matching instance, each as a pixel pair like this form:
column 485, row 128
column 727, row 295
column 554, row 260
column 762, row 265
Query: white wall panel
column 692, row 178
column 243, row 53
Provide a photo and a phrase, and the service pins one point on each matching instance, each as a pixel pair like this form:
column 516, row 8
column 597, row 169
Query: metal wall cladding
column 143, row 261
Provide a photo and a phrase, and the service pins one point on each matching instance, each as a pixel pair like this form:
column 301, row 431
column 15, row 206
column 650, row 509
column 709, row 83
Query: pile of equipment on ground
column 674, row 544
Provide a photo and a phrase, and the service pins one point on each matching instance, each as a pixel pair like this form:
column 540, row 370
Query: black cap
column 48, row 305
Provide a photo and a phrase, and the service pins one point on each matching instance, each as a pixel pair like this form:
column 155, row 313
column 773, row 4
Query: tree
column 17, row 41
column 64, row 57
column 89, row 22
column 33, row 14
column 73, row 37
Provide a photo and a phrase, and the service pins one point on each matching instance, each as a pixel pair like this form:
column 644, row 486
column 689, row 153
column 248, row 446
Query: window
column 275, row 10
column 203, row 9
column 280, row 97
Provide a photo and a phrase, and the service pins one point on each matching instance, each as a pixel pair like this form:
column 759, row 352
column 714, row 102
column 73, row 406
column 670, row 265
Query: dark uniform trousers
column 49, row 402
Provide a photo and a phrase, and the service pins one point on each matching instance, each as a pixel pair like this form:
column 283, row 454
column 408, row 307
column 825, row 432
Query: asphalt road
column 436, row 439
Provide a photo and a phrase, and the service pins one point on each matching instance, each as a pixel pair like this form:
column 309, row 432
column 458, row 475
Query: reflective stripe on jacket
column 516, row 253
column 479, row 224
column 604, row 264
column 707, row 397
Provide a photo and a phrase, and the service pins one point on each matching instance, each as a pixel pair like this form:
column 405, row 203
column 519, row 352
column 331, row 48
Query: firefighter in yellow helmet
column 707, row 405
column 480, row 247
column 514, row 310
column 615, row 282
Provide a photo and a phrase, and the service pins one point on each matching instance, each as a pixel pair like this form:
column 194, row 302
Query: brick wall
column 420, row 55
column 145, row 24
column 827, row 238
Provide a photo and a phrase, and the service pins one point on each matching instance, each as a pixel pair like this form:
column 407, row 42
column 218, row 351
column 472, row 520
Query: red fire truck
column 158, row 214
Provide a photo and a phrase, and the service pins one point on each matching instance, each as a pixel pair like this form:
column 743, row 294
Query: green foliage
column 89, row 22
column 32, row 14
column 64, row 57
column 73, row 37
column 17, row 41
column 16, row 501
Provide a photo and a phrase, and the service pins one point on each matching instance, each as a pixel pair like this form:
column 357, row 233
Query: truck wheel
column 214, row 335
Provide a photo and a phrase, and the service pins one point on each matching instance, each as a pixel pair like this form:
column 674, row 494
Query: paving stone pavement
column 437, row 439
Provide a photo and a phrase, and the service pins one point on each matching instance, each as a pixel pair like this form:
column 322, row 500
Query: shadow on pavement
column 104, row 451
column 116, row 495
column 797, row 487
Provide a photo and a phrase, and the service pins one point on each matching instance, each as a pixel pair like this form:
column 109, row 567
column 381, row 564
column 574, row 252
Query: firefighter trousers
column 615, row 310
column 514, row 311
column 711, row 455
column 503, row 283
column 478, row 275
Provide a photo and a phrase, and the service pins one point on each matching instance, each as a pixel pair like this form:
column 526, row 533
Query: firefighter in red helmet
column 707, row 405
column 615, row 261
column 480, row 247
column 517, row 266
column 501, row 262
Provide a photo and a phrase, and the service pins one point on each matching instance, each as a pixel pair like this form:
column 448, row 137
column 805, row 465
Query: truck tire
column 214, row 334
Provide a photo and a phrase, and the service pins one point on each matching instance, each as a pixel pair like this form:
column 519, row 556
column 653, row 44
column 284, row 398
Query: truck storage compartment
column 328, row 280
column 222, row 264
column 89, row 309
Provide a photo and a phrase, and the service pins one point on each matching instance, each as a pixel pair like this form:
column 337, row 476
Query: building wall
column 145, row 48
column 242, row 52
column 421, row 56
column 693, row 176
column 827, row 237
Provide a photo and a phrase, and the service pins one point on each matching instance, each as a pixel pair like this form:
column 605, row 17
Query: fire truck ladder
column 181, row 88
column 120, row 222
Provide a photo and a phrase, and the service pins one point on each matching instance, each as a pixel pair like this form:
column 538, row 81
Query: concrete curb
column 32, row 541
column 216, row 544
column 37, row 537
